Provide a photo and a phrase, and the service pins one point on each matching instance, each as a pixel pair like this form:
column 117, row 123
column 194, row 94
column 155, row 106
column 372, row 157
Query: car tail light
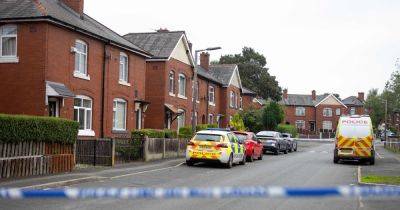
column 190, row 143
column 222, row 145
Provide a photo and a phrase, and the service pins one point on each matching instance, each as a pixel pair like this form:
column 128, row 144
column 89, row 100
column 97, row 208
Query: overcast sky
column 341, row 46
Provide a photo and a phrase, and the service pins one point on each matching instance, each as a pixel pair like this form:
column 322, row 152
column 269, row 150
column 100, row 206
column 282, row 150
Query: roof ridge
column 155, row 32
column 40, row 7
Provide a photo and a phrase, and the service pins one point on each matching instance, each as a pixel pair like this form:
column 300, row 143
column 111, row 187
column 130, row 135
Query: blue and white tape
column 216, row 192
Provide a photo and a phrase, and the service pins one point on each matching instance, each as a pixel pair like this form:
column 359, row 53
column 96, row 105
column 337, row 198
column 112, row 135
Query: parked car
column 388, row 135
column 292, row 143
column 253, row 146
column 215, row 146
column 273, row 142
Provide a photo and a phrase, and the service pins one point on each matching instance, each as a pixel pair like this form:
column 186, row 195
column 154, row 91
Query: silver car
column 273, row 142
column 292, row 143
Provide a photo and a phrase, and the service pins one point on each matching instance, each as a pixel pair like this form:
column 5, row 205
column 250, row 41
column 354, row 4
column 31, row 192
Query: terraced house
column 57, row 61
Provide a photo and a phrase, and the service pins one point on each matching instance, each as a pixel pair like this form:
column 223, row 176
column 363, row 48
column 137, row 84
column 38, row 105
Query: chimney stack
column 285, row 93
column 163, row 30
column 313, row 95
column 361, row 96
column 76, row 5
column 205, row 60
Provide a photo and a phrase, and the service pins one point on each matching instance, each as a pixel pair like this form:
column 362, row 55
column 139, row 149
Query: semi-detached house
column 57, row 61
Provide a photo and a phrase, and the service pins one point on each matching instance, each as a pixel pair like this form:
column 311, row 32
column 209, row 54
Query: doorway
column 54, row 107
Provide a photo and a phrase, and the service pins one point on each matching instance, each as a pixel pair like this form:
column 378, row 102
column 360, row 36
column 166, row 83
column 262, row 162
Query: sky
column 331, row 46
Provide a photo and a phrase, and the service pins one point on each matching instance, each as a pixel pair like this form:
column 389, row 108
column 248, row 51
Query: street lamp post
column 195, row 86
column 386, row 104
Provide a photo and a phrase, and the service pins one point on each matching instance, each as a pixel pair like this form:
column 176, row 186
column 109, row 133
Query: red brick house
column 355, row 104
column 250, row 100
column 168, row 77
column 57, row 61
column 313, row 113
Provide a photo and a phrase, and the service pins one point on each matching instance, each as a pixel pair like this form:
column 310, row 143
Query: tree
column 374, row 104
column 253, row 73
column 237, row 123
column 273, row 115
column 252, row 119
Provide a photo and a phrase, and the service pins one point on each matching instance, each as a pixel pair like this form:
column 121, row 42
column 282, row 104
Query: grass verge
column 393, row 180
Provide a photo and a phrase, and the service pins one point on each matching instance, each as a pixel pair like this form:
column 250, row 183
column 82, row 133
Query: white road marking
column 379, row 155
column 60, row 182
column 359, row 174
column 148, row 171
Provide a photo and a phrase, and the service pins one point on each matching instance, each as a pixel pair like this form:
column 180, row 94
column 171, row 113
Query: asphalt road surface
column 311, row 166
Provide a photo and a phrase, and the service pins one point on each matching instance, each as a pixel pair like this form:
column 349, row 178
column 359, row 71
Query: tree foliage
column 237, row 123
column 254, row 74
column 272, row 116
column 252, row 119
column 376, row 109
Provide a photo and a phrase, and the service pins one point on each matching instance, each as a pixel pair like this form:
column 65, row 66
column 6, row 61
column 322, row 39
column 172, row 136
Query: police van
column 354, row 139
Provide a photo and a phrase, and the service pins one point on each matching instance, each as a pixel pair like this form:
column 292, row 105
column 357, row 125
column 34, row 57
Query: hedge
column 170, row 134
column 200, row 127
column 282, row 128
column 185, row 132
column 20, row 128
column 151, row 133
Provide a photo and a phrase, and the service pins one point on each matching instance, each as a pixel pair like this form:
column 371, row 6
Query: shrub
column 185, row 132
column 272, row 116
column 252, row 119
column 282, row 128
column 19, row 128
column 200, row 127
column 237, row 123
column 151, row 133
column 170, row 134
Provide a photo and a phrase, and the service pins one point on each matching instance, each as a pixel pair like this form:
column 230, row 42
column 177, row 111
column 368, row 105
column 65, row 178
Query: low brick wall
column 161, row 148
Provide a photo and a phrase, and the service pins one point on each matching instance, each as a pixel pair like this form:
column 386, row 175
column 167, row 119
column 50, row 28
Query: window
column 80, row 57
column 300, row 111
column 327, row 125
column 119, row 114
column 123, row 67
column 210, row 119
column 352, row 110
column 338, row 112
column 300, row 124
column 181, row 118
column 171, row 83
column 327, row 112
column 83, row 113
column 211, row 95
column 232, row 99
column 241, row 102
column 182, row 85
column 8, row 41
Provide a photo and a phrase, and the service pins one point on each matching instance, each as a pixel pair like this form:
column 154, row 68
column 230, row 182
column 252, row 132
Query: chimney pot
column 361, row 96
column 285, row 93
column 76, row 5
column 205, row 60
column 314, row 95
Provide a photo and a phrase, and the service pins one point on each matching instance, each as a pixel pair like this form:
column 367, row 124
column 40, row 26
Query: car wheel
column 243, row 162
column 286, row 150
column 189, row 163
column 295, row 149
column 251, row 158
column 335, row 157
column 372, row 159
column 276, row 152
column 230, row 162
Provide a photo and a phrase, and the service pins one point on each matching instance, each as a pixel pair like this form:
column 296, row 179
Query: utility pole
column 195, row 86
column 386, row 102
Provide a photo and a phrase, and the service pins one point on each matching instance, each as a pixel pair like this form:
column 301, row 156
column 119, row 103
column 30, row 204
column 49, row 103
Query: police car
column 215, row 146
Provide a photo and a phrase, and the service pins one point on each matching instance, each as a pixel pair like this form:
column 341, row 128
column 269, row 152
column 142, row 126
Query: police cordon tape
column 216, row 192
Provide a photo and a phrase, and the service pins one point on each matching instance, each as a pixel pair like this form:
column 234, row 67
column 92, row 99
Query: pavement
column 311, row 166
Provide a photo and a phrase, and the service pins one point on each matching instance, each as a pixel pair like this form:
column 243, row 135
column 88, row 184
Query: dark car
column 292, row 143
column 273, row 142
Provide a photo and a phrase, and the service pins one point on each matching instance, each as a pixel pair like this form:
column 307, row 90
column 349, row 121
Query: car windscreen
column 266, row 134
column 241, row 137
column 356, row 129
column 207, row 137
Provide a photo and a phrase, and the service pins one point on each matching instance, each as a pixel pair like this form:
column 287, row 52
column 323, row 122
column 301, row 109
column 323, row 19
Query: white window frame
column 181, row 118
column 327, row 112
column 325, row 123
column 9, row 58
column 300, row 111
column 77, row 72
column 352, row 110
column 210, row 119
column 124, row 72
column 86, row 131
column 211, row 95
column 115, row 103
column 240, row 102
column 232, row 99
column 184, row 86
column 171, row 83
column 302, row 123
column 338, row 112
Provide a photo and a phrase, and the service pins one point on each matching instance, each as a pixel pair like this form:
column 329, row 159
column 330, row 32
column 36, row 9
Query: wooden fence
column 35, row 158
column 160, row 148
column 95, row 152
column 393, row 143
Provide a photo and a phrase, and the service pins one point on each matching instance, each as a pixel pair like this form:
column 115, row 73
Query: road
column 310, row 166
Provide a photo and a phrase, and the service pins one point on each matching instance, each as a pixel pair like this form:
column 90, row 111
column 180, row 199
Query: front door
column 53, row 107
column 312, row 126
column 139, row 118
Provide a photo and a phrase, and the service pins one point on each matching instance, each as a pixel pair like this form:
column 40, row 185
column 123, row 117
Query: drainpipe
column 103, row 90
column 207, row 100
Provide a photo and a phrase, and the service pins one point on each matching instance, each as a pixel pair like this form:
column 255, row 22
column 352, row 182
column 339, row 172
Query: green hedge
column 185, row 132
column 205, row 126
column 170, row 134
column 131, row 153
column 19, row 128
column 287, row 129
column 151, row 133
